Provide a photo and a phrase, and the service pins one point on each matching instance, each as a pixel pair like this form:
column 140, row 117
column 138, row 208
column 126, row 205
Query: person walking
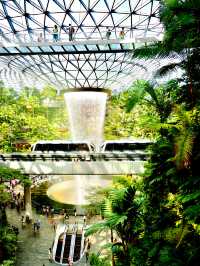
column 23, row 221
column 87, row 255
column 35, row 226
column 108, row 33
column 71, row 32
column 47, row 211
column 40, row 37
column 38, row 224
column 52, row 212
column 44, row 209
column 70, row 262
column 50, row 255
column 84, row 220
column 122, row 34
column 54, row 226
column 55, row 33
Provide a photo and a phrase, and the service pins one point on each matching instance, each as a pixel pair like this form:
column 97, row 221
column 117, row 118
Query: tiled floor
column 33, row 247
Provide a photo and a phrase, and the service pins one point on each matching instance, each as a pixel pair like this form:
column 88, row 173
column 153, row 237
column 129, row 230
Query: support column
column 27, row 202
column 86, row 109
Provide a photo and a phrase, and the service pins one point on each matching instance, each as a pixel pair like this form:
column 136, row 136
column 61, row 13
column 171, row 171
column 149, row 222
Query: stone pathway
column 33, row 247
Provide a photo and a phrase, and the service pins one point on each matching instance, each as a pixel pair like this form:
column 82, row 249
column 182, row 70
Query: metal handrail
column 22, row 38
column 90, row 156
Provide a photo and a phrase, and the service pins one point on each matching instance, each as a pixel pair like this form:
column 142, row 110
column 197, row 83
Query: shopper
column 71, row 32
column 40, row 38
column 55, row 33
column 50, row 255
column 108, row 33
column 122, row 34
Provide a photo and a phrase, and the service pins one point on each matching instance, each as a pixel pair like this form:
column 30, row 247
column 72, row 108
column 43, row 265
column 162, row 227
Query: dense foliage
column 29, row 115
column 172, row 181
column 156, row 218
column 122, row 124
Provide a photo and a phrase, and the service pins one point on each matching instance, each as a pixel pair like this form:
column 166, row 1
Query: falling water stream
column 86, row 110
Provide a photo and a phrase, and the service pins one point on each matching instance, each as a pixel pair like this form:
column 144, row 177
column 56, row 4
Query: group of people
column 48, row 211
column 70, row 29
column 17, row 199
column 38, row 178
column 71, row 33
column 121, row 33
column 55, row 34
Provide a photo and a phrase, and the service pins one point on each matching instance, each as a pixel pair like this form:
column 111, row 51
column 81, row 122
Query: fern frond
column 107, row 208
column 184, row 144
column 189, row 197
column 96, row 228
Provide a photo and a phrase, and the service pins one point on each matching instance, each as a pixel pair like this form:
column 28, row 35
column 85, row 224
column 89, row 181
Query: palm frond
column 181, row 117
column 136, row 93
column 116, row 195
column 96, row 228
column 156, row 49
column 189, row 197
column 167, row 69
column 115, row 219
column 151, row 91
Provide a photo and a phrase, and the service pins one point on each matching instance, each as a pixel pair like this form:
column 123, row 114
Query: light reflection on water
column 74, row 189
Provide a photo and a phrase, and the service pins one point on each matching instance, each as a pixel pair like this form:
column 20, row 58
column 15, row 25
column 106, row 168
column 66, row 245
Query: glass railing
column 40, row 37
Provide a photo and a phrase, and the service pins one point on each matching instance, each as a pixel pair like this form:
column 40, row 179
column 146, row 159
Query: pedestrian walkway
column 33, row 247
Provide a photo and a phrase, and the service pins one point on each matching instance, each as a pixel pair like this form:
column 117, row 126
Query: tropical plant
column 120, row 123
column 122, row 217
column 8, row 243
column 180, row 45
column 25, row 117
column 96, row 260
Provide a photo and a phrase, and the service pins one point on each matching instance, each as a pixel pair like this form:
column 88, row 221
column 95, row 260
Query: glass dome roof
column 23, row 21
column 90, row 18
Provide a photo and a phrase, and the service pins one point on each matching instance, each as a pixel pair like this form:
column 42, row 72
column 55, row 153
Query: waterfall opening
column 86, row 111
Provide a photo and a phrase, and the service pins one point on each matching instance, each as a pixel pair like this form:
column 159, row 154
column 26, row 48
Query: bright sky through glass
column 90, row 18
column 25, row 20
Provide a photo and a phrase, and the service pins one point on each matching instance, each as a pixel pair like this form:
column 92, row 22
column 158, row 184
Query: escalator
column 68, row 243
column 59, row 249
column 67, row 248
column 77, row 247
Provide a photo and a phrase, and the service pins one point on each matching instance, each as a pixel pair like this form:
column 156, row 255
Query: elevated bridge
column 88, row 63
column 47, row 47
column 75, row 164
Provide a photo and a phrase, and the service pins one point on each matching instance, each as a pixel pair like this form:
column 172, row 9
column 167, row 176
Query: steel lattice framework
column 23, row 21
